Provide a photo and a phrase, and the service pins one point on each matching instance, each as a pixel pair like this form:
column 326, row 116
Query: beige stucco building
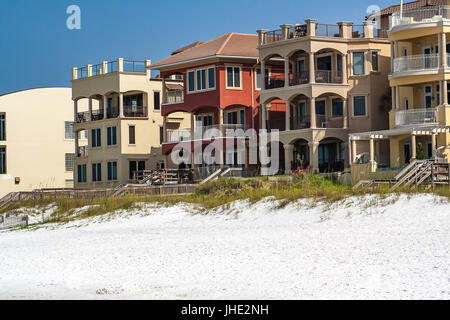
column 37, row 140
column 332, row 80
column 125, row 130
column 419, row 125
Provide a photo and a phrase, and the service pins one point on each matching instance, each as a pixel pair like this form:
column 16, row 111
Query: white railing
column 416, row 63
column 415, row 116
column 178, row 135
column 82, row 152
column 174, row 96
column 420, row 15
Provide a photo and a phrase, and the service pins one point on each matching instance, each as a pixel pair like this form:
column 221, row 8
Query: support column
column 75, row 110
column 312, row 72
column 313, row 112
column 121, row 105
column 413, row 147
column 444, row 91
column 165, row 129
column 77, row 144
column 263, row 75
column 377, row 150
column 397, row 98
column 192, row 126
column 105, row 107
column 344, row 114
column 90, row 109
column 314, row 156
column 443, row 50
column 441, row 94
column 433, row 145
column 286, row 72
column 288, row 115
column 263, row 116
column 288, row 158
column 353, row 160
column 164, row 92
column 372, row 151
column 344, row 68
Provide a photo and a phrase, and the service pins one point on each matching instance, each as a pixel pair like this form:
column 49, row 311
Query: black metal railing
column 331, row 166
column 357, row 31
column 112, row 112
column 328, row 76
column 301, row 78
column 303, row 122
column 274, row 82
column 135, row 111
column 112, row 66
column 274, row 36
column 97, row 70
column 380, row 33
column 81, row 73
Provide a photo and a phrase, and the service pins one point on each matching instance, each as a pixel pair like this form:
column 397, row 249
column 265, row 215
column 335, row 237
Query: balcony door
column 236, row 117
column 300, row 115
column 427, row 96
column 136, row 167
column 205, row 120
column 427, row 58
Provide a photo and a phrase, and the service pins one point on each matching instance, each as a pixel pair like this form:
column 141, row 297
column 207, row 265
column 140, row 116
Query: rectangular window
column 157, row 100
column 96, row 138
column 211, row 78
column 201, row 80
column 96, row 172
column 358, row 63
column 339, row 63
column 428, row 97
column 233, row 77
column 320, row 107
column 2, row 128
column 191, row 81
column 69, row 161
column 68, row 130
column 112, row 171
column 375, row 61
column 359, row 106
column 258, row 77
column 2, row 160
column 132, row 134
column 81, row 173
column 438, row 96
column 337, row 107
column 111, row 136
column 136, row 167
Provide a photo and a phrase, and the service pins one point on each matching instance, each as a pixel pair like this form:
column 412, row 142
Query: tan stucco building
column 37, row 140
column 125, row 130
column 419, row 125
column 332, row 80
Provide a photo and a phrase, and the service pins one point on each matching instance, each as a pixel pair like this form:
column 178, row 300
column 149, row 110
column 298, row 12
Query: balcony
column 328, row 76
column 206, row 132
column 119, row 65
column 174, row 96
column 82, row 152
column 415, row 117
column 321, row 76
column 328, row 122
column 135, row 111
column 312, row 28
column 322, row 122
column 420, row 15
column 128, row 112
column 178, row 135
column 416, row 63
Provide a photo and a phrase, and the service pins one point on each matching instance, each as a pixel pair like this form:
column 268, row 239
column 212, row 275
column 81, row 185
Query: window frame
column 134, row 134
column 363, row 61
column 96, row 172
column 2, row 126
column 3, row 160
column 333, row 115
column 158, row 109
column 72, row 136
column 365, row 106
column 377, row 53
column 66, row 162
column 97, row 139
column 111, row 136
column 226, row 77
column 82, row 174
column 111, row 172
column 269, row 73
column 195, row 79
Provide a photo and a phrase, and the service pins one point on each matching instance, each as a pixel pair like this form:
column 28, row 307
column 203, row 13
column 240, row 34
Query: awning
column 173, row 86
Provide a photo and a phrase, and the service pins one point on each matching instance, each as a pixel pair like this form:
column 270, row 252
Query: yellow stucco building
column 125, row 130
column 37, row 140
column 419, row 120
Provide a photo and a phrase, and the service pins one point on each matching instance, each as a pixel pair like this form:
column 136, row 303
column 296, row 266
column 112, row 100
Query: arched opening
column 301, row 156
column 329, row 66
column 299, row 65
column 300, row 112
column 274, row 72
column 329, row 111
column 331, row 155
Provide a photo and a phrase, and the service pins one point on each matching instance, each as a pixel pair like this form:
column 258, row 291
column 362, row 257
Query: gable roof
column 230, row 44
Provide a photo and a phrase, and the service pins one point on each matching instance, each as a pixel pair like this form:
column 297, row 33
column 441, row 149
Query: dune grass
column 217, row 193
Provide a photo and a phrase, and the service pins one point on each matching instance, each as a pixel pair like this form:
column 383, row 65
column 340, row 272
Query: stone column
column 353, row 160
column 288, row 115
column 89, row 70
column 286, row 29
column 372, row 151
column 75, row 110
column 164, row 91
column 288, row 158
column 442, row 50
column 263, row 75
column 314, row 156
column 311, row 25
column 119, row 64
column 313, row 112
column 312, row 72
column 165, row 129
column 74, row 73
column 77, row 144
column 121, row 105
column 444, row 92
column 286, row 72
column 433, row 145
column 192, row 126
column 413, row 147
column 368, row 29
column 105, row 107
column 261, row 37
column 344, row 69
column 263, row 116
column 90, row 109
column 397, row 98
column 344, row 114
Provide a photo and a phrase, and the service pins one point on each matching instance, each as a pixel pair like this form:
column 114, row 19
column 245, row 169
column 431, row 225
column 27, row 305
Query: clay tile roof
column 230, row 44
column 410, row 5
column 195, row 44
column 173, row 86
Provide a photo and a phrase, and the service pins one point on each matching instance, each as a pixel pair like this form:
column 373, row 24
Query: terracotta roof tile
column 410, row 5
column 230, row 44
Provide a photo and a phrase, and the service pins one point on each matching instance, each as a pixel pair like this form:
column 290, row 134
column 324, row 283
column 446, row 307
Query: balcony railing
column 274, row 82
column 298, row 79
column 301, row 122
column 82, row 152
column 135, row 111
column 111, row 67
column 415, row 117
column 328, row 30
column 178, row 135
column 112, row 112
column 133, row 66
column 174, row 96
column 416, row 63
column 328, row 76
column 420, row 15
column 357, row 31
column 274, row 36
column 323, row 121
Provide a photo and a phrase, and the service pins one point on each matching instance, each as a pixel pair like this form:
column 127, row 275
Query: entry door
column 301, row 67
column 206, row 120
column 407, row 152
column 136, row 166
column 232, row 117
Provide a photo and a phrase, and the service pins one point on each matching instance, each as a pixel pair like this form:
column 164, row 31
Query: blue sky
column 37, row 49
